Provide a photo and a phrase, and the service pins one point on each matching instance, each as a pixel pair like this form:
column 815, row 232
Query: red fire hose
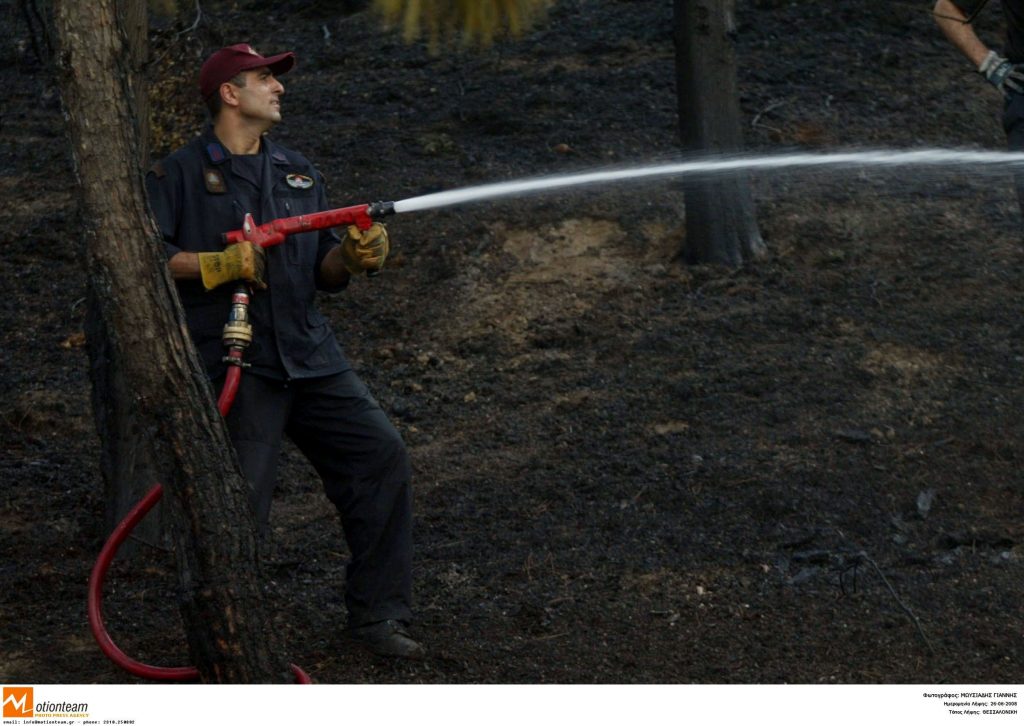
column 99, row 630
column 230, row 389
column 114, row 542
column 110, row 548
column 99, row 573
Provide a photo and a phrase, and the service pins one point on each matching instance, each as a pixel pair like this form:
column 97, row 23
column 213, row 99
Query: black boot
column 388, row 638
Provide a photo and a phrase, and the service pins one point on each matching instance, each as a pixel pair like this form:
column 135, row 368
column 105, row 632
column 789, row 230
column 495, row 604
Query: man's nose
column 278, row 86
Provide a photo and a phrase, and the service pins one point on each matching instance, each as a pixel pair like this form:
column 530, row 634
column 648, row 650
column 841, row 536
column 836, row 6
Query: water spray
column 718, row 166
column 364, row 215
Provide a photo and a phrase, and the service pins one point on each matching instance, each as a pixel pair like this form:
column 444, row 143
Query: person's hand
column 1001, row 73
column 365, row 251
column 240, row 261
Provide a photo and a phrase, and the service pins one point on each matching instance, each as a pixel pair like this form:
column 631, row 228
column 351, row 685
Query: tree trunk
column 133, row 18
column 229, row 635
column 38, row 30
column 721, row 226
column 127, row 455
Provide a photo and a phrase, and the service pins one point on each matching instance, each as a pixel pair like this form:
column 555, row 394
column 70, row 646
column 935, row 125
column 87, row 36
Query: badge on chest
column 214, row 181
column 299, row 181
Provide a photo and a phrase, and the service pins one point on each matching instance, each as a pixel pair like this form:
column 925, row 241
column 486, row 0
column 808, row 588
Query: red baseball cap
column 228, row 62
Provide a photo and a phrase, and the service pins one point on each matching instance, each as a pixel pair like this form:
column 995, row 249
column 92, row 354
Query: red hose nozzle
column 274, row 232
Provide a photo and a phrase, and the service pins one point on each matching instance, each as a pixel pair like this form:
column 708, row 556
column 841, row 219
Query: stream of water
column 949, row 158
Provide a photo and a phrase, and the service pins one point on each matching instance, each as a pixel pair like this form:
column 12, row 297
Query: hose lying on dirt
column 114, row 542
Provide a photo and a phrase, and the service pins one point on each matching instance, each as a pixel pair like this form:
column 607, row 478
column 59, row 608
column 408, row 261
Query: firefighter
column 1003, row 69
column 299, row 384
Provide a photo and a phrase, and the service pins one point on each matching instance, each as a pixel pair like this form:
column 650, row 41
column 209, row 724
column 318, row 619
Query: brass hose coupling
column 237, row 335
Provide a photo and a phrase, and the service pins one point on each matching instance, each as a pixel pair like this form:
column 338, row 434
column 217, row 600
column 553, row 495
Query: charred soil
column 626, row 469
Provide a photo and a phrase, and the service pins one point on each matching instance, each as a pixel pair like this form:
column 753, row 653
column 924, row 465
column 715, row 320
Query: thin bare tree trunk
column 229, row 634
column 133, row 18
column 721, row 226
column 126, row 453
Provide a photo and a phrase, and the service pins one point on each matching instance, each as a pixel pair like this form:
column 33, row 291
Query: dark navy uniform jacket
column 198, row 193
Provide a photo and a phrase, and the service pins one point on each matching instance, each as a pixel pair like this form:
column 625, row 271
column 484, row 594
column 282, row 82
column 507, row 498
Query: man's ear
column 228, row 93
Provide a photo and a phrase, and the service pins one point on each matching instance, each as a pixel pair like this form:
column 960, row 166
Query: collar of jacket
column 217, row 153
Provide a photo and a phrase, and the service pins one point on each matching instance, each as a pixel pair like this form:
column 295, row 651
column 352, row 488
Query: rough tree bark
column 133, row 18
column 126, row 453
column 721, row 226
column 230, row 637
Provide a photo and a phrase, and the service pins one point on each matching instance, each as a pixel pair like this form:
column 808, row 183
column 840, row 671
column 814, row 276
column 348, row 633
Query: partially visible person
column 1004, row 68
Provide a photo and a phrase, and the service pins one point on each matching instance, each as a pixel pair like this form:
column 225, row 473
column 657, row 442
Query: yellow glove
column 240, row 261
column 365, row 251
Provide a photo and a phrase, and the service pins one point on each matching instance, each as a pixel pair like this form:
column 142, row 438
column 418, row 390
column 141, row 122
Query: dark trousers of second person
column 363, row 463
column 1013, row 125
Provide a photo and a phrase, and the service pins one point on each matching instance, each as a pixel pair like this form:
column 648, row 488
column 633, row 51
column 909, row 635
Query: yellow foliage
column 475, row 20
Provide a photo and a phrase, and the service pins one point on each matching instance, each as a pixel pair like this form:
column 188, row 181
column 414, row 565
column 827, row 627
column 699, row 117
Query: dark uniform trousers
column 364, row 465
column 1013, row 125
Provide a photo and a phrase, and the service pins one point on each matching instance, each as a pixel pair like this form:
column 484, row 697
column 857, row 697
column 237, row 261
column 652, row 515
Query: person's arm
column 953, row 24
column 240, row 261
column 355, row 252
column 184, row 266
column 333, row 273
column 1007, row 77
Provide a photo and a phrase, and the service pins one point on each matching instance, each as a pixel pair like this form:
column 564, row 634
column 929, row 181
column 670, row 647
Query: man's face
column 260, row 98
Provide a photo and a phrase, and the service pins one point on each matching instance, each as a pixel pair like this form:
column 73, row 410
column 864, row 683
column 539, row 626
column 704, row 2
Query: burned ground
column 626, row 469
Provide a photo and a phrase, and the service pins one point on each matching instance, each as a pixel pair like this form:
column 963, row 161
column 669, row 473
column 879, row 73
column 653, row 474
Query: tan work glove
column 240, row 261
column 365, row 251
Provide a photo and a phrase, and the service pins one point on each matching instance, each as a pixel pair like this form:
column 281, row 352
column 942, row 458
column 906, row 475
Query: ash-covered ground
column 626, row 469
